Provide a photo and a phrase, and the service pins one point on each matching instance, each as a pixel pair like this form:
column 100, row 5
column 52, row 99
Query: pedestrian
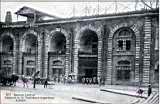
column 149, row 90
column 45, row 83
column 90, row 80
column 25, row 81
column 83, row 80
column 99, row 81
column 140, row 92
column 94, row 80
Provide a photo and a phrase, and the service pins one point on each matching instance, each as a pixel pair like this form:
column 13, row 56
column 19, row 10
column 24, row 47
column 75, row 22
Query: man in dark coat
column 149, row 89
column 45, row 83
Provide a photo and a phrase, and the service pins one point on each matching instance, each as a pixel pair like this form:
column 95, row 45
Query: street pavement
column 79, row 93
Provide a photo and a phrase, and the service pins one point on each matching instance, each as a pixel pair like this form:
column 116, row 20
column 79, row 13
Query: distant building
column 121, row 48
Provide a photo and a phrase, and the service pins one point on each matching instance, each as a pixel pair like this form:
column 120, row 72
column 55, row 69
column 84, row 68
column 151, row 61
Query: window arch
column 123, row 62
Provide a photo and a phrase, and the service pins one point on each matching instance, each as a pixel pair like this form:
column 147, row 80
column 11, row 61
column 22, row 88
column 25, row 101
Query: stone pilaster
column 14, row 58
column 17, row 55
column 67, row 61
column 136, row 77
column 44, row 56
column 109, row 62
column 38, row 56
column 146, row 58
column 20, row 55
column 99, row 72
column 20, row 63
column 45, row 72
column 75, row 54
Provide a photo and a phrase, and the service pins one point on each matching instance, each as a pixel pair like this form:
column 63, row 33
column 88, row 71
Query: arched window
column 7, row 44
column 31, row 43
column 89, row 42
column 124, row 40
column 58, row 43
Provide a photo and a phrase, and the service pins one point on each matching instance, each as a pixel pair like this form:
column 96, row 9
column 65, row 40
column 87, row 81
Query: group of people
column 60, row 79
column 92, row 80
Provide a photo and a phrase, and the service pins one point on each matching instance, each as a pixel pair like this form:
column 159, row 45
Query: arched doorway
column 124, row 48
column 56, row 56
column 7, row 44
column 30, row 55
column 87, row 55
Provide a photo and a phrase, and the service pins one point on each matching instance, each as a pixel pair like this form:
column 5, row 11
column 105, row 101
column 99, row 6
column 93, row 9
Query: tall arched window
column 58, row 43
column 31, row 43
column 7, row 44
column 124, row 40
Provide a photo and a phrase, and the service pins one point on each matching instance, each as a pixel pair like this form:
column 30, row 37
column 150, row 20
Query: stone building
column 120, row 48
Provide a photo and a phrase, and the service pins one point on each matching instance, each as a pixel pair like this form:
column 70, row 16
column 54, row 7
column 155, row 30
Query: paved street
column 70, row 93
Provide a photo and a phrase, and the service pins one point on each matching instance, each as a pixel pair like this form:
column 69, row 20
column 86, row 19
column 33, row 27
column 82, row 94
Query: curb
column 89, row 100
column 105, row 90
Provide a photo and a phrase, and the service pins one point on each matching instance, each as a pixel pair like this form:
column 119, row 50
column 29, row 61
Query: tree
column 151, row 4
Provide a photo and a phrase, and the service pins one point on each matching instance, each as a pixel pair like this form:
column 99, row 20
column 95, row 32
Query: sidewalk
column 87, row 93
column 127, row 90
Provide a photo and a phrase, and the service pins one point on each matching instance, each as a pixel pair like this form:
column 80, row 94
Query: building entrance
column 87, row 56
column 57, row 74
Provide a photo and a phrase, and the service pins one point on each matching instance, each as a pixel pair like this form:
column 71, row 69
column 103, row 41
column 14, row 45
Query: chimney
column 8, row 18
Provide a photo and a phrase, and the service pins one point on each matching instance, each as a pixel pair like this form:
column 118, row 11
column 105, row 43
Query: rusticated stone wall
column 105, row 28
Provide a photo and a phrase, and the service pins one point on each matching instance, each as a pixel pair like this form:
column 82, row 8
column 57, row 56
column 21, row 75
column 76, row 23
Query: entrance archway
column 124, row 48
column 30, row 54
column 7, row 44
column 57, row 54
column 87, row 56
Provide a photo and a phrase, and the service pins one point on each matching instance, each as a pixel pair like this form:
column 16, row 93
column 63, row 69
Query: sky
column 68, row 9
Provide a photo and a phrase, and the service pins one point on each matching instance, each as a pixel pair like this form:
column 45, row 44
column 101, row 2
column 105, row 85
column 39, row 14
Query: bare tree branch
column 146, row 4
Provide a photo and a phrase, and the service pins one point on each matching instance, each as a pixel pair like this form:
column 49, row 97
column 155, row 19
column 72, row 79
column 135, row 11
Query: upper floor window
column 120, row 44
column 128, row 45
column 123, row 39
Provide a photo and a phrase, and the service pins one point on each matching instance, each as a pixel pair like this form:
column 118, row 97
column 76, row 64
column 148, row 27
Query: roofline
column 36, row 11
column 92, row 18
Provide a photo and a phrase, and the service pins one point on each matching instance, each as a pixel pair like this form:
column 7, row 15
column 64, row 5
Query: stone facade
column 117, row 55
